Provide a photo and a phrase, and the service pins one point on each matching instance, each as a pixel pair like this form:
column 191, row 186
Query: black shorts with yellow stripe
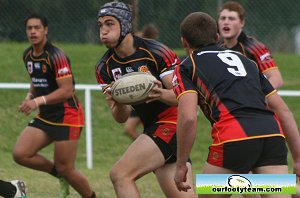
column 56, row 132
column 246, row 155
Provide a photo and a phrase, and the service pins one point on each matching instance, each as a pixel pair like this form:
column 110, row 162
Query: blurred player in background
column 149, row 31
column 231, row 21
column 12, row 189
column 60, row 118
column 231, row 92
column 155, row 149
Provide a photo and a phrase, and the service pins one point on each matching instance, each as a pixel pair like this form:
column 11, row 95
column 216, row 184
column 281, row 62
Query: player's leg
column 297, row 195
column 212, row 169
column 165, row 177
column 279, row 169
column 26, row 149
column 141, row 157
column 130, row 127
column 64, row 159
column 273, row 160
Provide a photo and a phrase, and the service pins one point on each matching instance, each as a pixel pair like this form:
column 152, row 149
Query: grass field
column 109, row 142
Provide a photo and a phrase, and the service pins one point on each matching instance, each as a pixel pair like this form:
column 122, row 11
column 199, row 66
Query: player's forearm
column 186, row 134
column 291, row 133
column 120, row 112
column 168, row 97
column 59, row 95
column 31, row 93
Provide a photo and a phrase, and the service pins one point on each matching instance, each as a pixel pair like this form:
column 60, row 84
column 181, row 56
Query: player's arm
column 186, row 134
column 164, row 95
column 119, row 111
column 289, row 126
column 64, row 91
column 31, row 93
column 274, row 77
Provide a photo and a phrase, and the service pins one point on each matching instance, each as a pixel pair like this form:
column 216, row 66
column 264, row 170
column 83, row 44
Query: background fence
column 276, row 23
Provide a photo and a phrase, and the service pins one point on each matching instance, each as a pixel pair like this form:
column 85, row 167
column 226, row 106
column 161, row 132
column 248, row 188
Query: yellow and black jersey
column 255, row 51
column 231, row 93
column 44, row 70
column 150, row 56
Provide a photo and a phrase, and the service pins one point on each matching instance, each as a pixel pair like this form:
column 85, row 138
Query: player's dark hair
column 199, row 29
column 150, row 31
column 235, row 7
column 37, row 16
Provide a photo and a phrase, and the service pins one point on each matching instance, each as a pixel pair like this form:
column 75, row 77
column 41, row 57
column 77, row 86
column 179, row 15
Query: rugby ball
column 133, row 88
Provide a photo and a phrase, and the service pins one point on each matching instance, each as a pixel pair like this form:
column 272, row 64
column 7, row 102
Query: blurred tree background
column 276, row 23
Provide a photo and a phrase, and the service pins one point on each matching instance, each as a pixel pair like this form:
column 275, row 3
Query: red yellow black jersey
column 44, row 70
column 231, row 93
column 150, row 56
column 255, row 51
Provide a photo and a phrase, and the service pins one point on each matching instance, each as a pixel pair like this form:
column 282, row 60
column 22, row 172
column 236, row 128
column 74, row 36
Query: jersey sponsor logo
column 129, row 69
column 143, row 68
column 117, row 73
column 29, row 67
column 63, row 71
column 265, row 57
column 44, row 68
column 37, row 66
column 175, row 81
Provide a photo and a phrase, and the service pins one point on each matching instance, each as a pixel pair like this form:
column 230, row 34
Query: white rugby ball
column 133, row 88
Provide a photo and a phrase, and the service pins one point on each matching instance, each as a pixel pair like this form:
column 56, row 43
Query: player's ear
column 242, row 23
column 218, row 37
column 184, row 43
column 46, row 30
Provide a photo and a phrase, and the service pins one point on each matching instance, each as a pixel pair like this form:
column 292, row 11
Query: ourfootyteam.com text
column 245, row 190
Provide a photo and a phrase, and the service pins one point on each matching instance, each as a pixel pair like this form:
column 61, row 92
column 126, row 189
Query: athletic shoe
column 21, row 188
column 64, row 188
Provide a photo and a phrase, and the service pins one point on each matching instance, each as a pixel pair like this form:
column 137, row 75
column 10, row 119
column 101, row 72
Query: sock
column 7, row 189
column 53, row 172
column 93, row 195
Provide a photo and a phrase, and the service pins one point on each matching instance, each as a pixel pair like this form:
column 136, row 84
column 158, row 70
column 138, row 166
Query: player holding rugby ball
column 154, row 150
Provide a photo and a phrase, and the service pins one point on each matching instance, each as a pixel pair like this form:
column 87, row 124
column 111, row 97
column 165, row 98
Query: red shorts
column 164, row 136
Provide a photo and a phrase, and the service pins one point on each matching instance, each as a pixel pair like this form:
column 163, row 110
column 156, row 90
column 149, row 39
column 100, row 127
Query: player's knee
column 117, row 175
column 18, row 156
column 114, row 175
column 63, row 169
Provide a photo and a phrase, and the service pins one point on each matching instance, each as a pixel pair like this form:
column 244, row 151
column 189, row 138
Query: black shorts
column 57, row 132
column 164, row 136
column 244, row 156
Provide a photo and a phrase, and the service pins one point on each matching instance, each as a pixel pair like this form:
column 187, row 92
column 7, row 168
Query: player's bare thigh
column 165, row 177
column 141, row 157
column 31, row 141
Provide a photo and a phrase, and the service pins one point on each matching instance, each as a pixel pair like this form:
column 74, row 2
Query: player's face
column 109, row 31
column 230, row 25
column 36, row 32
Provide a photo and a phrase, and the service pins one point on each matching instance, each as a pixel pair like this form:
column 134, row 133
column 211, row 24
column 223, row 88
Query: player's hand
column 27, row 106
column 156, row 92
column 180, row 178
column 297, row 170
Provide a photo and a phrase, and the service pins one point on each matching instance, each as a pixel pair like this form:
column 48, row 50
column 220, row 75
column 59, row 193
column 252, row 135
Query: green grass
column 109, row 142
